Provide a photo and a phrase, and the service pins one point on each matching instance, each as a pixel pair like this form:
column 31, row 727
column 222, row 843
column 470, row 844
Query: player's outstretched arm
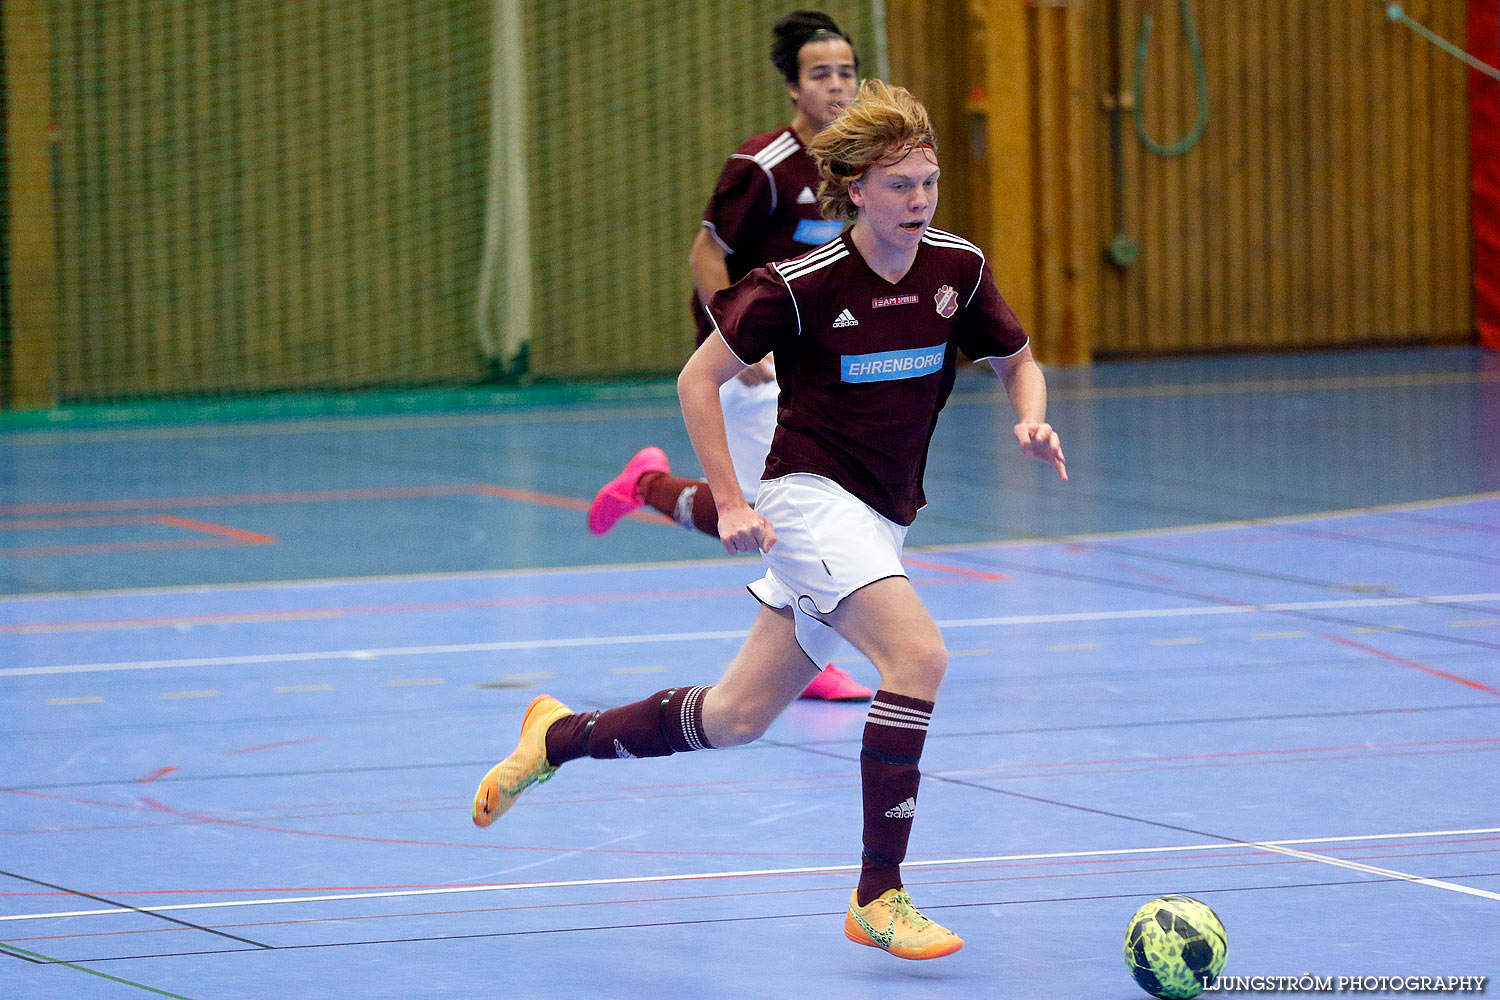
column 1027, row 389
column 741, row 529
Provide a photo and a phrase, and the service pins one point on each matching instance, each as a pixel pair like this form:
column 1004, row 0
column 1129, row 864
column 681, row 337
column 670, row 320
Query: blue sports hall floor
column 251, row 671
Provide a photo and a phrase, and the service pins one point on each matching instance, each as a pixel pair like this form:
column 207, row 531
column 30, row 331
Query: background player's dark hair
column 795, row 30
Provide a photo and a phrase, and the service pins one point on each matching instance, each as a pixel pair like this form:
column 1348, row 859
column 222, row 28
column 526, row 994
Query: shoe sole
column 489, row 792
column 854, row 932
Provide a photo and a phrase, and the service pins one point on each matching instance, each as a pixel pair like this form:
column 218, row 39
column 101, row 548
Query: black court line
column 25, row 956
column 135, row 909
column 821, row 914
column 38, row 959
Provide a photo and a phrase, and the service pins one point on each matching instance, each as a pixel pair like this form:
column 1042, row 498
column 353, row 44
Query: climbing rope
column 1200, row 84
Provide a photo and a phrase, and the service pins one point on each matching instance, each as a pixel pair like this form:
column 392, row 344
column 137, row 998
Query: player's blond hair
column 882, row 125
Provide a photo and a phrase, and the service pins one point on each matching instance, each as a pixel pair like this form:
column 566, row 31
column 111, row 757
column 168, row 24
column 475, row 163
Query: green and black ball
column 1175, row 946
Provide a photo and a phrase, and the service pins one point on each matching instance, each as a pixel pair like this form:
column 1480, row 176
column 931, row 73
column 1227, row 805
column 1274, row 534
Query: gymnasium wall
column 246, row 196
column 1327, row 202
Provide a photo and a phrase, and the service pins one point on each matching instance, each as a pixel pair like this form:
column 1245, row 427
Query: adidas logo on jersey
column 905, row 810
column 846, row 318
column 807, row 197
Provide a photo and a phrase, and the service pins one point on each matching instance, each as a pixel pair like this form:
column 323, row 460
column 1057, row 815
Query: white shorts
column 749, row 422
column 829, row 544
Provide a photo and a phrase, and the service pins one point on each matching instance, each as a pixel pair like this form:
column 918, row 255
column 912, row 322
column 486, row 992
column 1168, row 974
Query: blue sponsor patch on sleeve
column 816, row 232
column 887, row 366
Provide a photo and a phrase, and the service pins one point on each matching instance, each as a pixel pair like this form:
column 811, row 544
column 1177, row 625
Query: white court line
column 635, row 640
column 1274, row 846
column 1388, row 873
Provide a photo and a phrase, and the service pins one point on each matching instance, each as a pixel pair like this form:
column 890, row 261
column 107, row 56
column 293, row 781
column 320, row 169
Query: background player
column 867, row 330
column 764, row 208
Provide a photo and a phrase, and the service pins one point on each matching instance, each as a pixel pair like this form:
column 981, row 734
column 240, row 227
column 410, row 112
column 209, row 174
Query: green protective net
column 255, row 196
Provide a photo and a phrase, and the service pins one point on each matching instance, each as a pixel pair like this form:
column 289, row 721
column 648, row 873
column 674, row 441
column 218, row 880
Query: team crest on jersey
column 947, row 301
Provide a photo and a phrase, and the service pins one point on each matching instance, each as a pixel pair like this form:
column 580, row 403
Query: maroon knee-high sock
column 689, row 502
column 895, row 730
column 667, row 722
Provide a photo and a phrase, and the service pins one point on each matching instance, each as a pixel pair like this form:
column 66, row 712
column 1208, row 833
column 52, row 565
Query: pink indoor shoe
column 621, row 495
column 833, row 684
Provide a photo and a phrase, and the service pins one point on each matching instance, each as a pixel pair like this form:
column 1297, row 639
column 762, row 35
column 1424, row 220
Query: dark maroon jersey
column 866, row 365
column 764, row 209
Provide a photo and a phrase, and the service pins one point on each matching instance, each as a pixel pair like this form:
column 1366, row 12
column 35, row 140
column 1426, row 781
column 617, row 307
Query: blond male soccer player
column 867, row 330
column 764, row 209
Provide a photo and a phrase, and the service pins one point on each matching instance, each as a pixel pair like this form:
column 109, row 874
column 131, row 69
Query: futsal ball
column 1174, row 946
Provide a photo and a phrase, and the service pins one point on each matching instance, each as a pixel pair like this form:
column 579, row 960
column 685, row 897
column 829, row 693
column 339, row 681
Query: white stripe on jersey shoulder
column 715, row 323
column 813, row 260
column 770, row 178
column 713, row 231
column 780, row 148
column 940, row 238
column 1004, row 357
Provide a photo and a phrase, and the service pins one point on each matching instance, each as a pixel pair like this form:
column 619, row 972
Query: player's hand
column 1040, row 441
column 759, row 373
column 741, row 529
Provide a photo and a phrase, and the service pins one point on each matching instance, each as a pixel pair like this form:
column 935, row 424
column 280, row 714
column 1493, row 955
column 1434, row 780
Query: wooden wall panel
column 930, row 52
column 1326, row 202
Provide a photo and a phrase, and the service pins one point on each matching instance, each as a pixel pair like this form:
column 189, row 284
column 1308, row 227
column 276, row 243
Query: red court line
column 235, row 535
column 222, row 530
column 47, row 524
column 1392, row 657
column 338, row 611
column 159, row 806
column 977, row 574
column 160, row 772
column 313, row 496
column 278, row 746
column 107, row 548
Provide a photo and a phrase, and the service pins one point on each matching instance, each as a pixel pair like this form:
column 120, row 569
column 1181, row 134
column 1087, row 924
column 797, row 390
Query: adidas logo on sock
column 621, row 752
column 806, row 197
column 905, row 810
column 846, row 318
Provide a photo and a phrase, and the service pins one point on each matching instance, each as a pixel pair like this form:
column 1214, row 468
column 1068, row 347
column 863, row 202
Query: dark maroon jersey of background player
column 866, row 365
column 764, row 209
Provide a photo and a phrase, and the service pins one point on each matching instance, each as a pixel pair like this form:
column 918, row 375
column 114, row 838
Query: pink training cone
column 621, row 494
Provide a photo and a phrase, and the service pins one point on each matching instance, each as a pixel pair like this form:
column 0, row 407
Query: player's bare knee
column 917, row 665
column 930, row 662
column 730, row 723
